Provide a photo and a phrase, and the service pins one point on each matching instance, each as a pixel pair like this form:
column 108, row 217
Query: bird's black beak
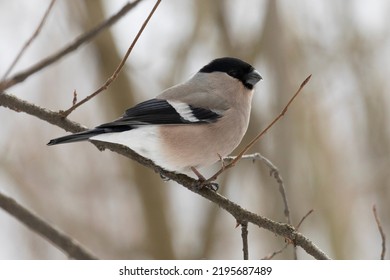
column 252, row 78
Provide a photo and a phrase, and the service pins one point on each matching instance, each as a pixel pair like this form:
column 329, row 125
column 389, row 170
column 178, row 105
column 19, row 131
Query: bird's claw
column 164, row 178
column 209, row 185
column 212, row 186
column 203, row 183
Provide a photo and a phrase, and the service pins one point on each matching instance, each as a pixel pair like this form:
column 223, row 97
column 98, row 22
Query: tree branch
column 381, row 232
column 63, row 242
column 273, row 254
column 244, row 236
column 274, row 171
column 234, row 209
column 118, row 69
column 304, row 218
column 85, row 37
column 30, row 40
column 54, row 118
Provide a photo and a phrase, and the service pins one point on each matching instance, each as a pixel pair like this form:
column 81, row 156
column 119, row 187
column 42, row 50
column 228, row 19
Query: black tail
column 81, row 136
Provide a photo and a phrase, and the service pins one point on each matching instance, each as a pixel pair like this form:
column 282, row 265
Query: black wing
column 160, row 111
column 154, row 111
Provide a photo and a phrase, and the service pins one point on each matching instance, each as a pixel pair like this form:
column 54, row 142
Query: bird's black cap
column 236, row 68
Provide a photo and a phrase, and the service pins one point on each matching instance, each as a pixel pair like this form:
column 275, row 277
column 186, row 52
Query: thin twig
column 304, row 218
column 272, row 255
column 381, row 232
column 244, row 236
column 191, row 184
column 63, row 242
column 118, row 69
column 85, row 37
column 274, row 171
column 74, row 100
column 30, row 40
column 251, row 143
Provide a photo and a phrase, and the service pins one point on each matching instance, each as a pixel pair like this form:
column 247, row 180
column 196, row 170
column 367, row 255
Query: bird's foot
column 203, row 182
column 164, row 178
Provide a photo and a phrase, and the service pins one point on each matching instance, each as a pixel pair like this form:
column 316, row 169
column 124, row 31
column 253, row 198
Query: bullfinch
column 190, row 125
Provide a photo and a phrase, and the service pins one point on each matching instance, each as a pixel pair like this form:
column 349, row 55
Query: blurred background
column 332, row 148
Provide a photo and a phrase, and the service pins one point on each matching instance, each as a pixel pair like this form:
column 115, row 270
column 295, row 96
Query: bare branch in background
column 118, row 69
column 60, row 240
column 381, row 232
column 251, row 143
column 85, row 37
column 30, row 40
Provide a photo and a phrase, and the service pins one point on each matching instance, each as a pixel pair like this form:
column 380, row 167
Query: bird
column 188, row 126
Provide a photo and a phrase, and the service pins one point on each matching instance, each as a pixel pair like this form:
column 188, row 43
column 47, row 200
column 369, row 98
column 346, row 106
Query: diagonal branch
column 234, row 209
column 118, row 69
column 304, row 218
column 85, row 37
column 30, row 40
column 60, row 240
